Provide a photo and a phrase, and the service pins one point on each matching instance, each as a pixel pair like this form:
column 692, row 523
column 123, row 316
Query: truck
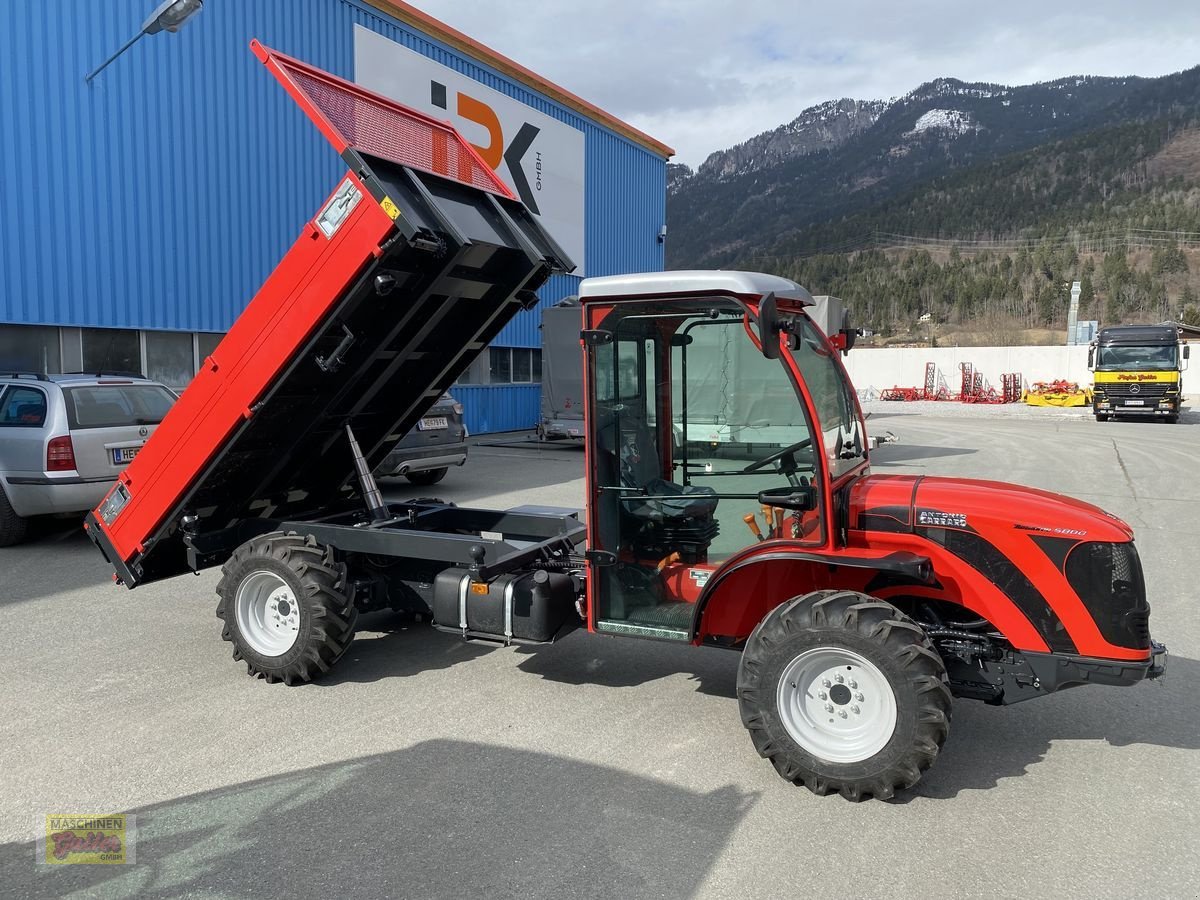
column 1138, row 371
column 859, row 605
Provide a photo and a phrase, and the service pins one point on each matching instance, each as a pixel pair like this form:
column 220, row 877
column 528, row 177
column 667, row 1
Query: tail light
column 458, row 408
column 60, row 455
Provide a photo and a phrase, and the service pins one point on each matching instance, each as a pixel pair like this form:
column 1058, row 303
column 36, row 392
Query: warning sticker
column 700, row 576
column 390, row 208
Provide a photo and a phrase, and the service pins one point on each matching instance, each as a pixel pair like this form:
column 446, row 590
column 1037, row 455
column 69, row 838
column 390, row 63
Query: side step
column 610, row 626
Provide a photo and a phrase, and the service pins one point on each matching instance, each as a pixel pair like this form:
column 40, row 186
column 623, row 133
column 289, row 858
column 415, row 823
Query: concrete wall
column 878, row 369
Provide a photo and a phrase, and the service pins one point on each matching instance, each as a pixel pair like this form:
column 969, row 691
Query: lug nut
column 858, row 697
column 825, row 683
column 838, row 678
column 853, row 685
column 855, row 710
column 842, row 713
column 822, row 695
column 828, row 707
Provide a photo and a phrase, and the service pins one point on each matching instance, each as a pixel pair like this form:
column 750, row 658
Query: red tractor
column 729, row 496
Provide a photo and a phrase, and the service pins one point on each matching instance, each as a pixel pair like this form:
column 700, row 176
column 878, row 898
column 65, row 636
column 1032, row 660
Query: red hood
column 983, row 503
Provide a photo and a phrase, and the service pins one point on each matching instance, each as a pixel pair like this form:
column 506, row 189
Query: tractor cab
column 719, row 419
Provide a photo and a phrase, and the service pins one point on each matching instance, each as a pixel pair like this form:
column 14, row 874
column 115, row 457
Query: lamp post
column 170, row 15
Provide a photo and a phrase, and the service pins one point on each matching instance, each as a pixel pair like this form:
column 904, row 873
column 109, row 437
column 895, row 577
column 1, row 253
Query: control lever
column 752, row 523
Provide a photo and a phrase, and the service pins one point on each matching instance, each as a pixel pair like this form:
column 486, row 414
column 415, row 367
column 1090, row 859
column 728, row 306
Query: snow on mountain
column 954, row 121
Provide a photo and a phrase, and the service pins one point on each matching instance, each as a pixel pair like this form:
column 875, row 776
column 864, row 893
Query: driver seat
column 641, row 468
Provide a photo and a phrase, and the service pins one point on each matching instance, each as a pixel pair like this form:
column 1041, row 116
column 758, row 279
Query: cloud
column 704, row 75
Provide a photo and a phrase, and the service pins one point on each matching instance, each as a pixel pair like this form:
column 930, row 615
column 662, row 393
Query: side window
column 837, row 407
column 23, row 407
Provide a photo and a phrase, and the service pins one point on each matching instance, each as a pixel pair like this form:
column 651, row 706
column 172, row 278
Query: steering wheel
column 778, row 455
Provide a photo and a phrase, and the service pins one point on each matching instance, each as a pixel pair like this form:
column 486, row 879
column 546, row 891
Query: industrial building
column 143, row 208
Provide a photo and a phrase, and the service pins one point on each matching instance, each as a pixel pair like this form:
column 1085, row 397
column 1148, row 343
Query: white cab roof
column 691, row 281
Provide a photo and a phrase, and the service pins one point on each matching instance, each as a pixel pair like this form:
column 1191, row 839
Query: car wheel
column 432, row 476
column 13, row 528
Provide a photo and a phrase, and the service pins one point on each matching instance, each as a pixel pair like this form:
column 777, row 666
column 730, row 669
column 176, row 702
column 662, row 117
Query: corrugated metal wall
column 162, row 195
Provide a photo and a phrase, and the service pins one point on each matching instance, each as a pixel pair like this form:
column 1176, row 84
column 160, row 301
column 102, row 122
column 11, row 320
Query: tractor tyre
column 844, row 694
column 13, row 528
column 287, row 607
column 428, row 477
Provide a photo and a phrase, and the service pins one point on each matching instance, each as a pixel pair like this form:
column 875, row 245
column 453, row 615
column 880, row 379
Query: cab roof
column 1139, row 334
column 691, row 282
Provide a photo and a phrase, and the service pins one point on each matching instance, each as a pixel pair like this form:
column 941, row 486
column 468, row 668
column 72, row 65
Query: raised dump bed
column 414, row 263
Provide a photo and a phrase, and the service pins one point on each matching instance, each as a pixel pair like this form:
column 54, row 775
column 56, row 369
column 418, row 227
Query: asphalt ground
column 596, row 767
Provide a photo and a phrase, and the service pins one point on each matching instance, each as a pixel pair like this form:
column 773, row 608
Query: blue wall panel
column 499, row 407
column 163, row 194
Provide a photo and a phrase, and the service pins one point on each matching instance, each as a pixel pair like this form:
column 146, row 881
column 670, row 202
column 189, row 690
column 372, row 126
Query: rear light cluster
column 60, row 455
column 458, row 408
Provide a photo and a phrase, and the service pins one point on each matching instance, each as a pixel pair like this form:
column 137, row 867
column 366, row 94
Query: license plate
column 1135, row 402
column 433, row 423
column 123, row 455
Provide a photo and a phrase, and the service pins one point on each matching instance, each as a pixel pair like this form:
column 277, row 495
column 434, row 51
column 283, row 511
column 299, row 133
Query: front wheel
column 844, row 693
column 286, row 607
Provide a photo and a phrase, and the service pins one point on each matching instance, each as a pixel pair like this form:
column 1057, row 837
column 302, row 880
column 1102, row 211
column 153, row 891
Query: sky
column 703, row 75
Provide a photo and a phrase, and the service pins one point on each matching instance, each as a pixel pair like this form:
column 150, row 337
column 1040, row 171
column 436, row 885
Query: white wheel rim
column 836, row 704
column 268, row 616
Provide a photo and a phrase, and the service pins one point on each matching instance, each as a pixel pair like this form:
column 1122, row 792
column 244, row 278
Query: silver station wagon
column 65, row 438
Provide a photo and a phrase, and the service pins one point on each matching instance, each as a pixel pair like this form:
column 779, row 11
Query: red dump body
column 417, row 259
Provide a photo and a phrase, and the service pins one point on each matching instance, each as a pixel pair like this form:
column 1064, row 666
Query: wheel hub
column 268, row 616
column 836, row 704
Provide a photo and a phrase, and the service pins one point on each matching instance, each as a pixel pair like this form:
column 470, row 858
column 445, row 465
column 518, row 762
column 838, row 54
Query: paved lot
column 596, row 767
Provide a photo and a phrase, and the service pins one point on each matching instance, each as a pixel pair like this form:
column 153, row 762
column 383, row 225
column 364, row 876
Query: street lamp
column 170, row 15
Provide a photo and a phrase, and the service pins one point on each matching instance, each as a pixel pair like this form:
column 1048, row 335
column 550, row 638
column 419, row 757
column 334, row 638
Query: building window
column 169, row 358
column 111, row 351
column 206, row 343
column 512, row 365
column 29, row 348
column 500, row 371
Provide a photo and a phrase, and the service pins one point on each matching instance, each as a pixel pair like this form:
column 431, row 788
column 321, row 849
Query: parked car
column 65, row 438
column 426, row 453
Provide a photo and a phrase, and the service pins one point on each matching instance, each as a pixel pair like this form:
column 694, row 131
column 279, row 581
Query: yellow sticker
column 88, row 839
column 390, row 208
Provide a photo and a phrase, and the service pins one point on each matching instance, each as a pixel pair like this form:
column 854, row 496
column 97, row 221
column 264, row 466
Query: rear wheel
column 13, row 528
column 286, row 607
column 431, row 476
column 844, row 694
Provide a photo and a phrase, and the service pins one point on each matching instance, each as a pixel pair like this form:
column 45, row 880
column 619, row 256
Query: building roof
column 1191, row 332
column 687, row 281
column 439, row 30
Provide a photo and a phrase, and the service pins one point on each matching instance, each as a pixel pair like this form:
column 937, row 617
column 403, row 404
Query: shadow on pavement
column 55, row 558
column 990, row 743
column 441, row 819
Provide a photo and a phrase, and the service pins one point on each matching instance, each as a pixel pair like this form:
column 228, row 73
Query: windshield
column 1138, row 359
column 832, row 395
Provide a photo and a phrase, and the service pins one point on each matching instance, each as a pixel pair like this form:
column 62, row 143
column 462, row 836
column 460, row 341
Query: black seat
column 641, row 468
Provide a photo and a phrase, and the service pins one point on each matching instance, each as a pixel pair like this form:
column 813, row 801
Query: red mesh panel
column 381, row 127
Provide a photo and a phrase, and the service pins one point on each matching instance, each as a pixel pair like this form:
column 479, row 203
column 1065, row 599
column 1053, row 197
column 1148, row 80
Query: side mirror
column 877, row 440
column 801, row 499
column 1091, row 357
column 1187, row 351
column 768, row 325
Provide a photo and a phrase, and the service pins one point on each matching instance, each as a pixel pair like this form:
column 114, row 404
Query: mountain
column 789, row 189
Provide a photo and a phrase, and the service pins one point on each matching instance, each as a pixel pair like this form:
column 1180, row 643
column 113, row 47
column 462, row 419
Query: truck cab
column 1138, row 372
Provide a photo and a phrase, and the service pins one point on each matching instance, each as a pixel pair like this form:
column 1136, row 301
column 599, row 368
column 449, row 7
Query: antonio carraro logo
column 935, row 519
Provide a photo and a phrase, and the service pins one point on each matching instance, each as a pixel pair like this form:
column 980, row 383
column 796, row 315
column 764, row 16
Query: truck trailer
column 860, row 604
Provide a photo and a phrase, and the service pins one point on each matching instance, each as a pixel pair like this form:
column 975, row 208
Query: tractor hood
column 911, row 502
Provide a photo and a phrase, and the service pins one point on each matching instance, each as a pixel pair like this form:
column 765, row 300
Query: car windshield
column 1137, row 359
column 113, row 405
